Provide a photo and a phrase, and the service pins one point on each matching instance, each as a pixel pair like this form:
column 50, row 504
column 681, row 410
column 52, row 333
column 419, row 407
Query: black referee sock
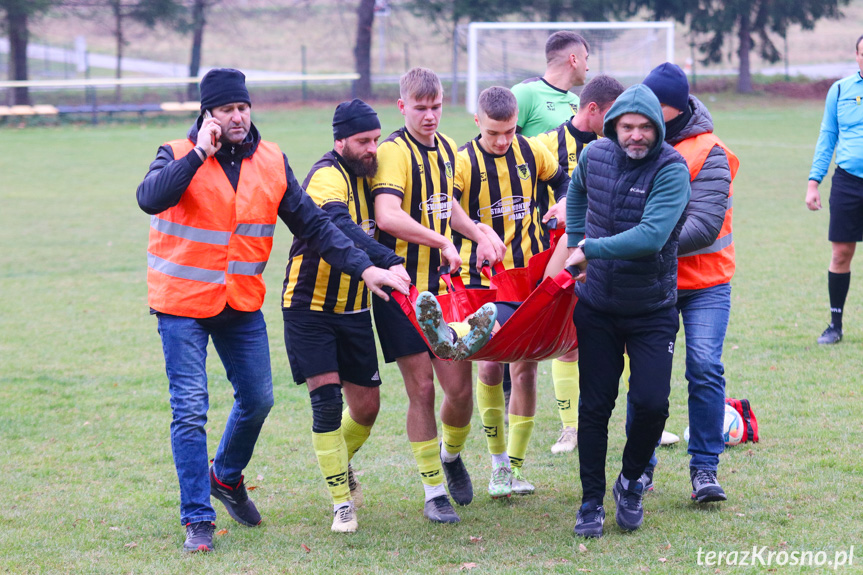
column 837, row 287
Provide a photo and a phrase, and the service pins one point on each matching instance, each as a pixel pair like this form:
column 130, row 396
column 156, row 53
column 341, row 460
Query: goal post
column 505, row 53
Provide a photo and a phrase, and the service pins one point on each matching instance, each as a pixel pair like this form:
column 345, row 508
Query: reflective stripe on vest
column 210, row 249
column 714, row 264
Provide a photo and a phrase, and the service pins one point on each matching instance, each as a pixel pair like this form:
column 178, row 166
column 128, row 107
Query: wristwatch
column 580, row 245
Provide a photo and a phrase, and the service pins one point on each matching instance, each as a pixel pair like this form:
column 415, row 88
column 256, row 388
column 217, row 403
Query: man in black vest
column 626, row 199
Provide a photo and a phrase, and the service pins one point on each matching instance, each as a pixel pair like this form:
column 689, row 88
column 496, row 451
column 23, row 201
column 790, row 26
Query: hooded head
column 637, row 99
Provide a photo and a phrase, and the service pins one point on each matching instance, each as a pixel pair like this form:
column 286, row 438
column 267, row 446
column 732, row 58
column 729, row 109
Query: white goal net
column 505, row 53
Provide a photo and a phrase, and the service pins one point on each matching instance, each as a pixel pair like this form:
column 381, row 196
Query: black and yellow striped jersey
column 310, row 283
column 565, row 142
column 423, row 178
column 500, row 191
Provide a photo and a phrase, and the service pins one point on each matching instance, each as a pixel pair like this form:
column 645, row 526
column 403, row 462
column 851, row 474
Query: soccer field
column 88, row 479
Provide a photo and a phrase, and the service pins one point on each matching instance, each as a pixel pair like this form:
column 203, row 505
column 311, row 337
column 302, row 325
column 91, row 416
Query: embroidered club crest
column 523, row 171
column 448, row 169
column 550, row 106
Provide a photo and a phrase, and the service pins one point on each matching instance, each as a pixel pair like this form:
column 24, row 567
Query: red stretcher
column 541, row 328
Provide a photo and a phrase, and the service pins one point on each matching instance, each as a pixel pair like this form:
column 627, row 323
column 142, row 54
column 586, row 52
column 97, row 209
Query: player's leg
column 456, row 411
column 564, row 376
column 491, row 404
column 522, row 409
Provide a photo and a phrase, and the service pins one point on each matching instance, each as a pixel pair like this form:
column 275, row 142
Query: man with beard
column 626, row 198
column 328, row 328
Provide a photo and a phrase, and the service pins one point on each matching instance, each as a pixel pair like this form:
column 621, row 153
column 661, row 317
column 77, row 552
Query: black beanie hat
column 352, row 118
column 222, row 86
column 668, row 81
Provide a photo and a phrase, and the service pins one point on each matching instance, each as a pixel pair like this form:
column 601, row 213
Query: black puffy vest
column 617, row 191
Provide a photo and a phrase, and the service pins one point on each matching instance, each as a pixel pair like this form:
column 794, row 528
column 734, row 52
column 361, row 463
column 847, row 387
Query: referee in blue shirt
column 842, row 130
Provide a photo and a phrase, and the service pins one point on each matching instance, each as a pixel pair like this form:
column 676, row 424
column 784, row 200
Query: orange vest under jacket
column 211, row 248
column 714, row 264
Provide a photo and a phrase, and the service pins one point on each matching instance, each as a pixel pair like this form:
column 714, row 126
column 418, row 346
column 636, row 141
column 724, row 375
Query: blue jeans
column 240, row 338
column 705, row 319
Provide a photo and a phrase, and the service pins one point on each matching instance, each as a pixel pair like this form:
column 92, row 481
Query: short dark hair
column 857, row 45
column 603, row 90
column 498, row 103
column 562, row 40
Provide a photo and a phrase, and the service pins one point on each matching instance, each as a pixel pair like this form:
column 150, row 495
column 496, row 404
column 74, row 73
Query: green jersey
column 542, row 107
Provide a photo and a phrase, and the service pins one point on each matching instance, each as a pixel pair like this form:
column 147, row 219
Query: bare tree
column 363, row 48
column 18, row 14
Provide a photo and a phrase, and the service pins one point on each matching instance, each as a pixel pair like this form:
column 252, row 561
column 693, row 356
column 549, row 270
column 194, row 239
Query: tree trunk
column 198, row 22
column 118, row 31
column 744, row 79
column 363, row 49
column 18, row 38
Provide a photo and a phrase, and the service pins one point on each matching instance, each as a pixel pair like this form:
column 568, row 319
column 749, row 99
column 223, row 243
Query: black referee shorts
column 846, row 208
column 319, row 342
column 398, row 336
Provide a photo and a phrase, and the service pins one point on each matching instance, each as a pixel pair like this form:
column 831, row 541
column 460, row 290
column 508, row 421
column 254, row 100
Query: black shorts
column 398, row 336
column 319, row 342
column 846, row 208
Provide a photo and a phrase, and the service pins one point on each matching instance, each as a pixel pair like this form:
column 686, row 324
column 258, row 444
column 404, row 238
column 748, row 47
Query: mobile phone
column 207, row 115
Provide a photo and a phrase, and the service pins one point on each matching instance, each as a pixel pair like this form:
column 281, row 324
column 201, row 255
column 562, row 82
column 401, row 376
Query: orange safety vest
column 714, row 264
column 212, row 247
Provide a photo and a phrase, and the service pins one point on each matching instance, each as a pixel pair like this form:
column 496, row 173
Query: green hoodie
column 668, row 197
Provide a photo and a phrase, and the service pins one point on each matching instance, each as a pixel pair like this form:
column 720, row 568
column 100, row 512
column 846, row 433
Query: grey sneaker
column 590, row 520
column 439, row 510
column 520, row 485
column 831, row 335
column 199, row 537
column 630, row 513
column 705, row 487
column 646, row 481
column 236, row 500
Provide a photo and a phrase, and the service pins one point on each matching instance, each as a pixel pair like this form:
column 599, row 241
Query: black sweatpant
column 602, row 338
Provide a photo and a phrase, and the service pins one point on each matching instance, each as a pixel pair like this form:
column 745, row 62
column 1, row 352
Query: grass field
column 88, row 480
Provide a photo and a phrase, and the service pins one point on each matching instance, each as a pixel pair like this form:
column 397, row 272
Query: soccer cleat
column 345, row 519
column 439, row 510
column 481, row 325
column 589, row 520
column 501, row 481
column 630, row 513
column 831, row 335
column 458, row 481
column 567, row 441
column 520, row 485
column 199, row 537
column 705, row 487
column 668, row 438
column 437, row 332
column 646, row 481
column 355, row 487
column 236, row 501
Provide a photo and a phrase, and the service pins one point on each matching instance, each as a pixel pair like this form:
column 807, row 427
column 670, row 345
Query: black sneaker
column 439, row 510
column 705, row 487
column 236, row 501
column 458, row 481
column 831, row 335
column 589, row 521
column 630, row 513
column 646, row 480
column 199, row 537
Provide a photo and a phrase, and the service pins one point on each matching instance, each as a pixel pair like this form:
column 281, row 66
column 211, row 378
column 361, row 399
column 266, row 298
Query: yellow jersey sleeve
column 546, row 163
column 393, row 170
column 327, row 186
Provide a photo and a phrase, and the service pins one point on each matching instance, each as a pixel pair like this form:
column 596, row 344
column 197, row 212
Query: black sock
column 837, row 287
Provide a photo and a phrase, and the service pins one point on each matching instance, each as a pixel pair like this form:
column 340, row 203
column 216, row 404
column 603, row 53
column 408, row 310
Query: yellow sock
column 520, row 430
column 461, row 328
column 427, row 454
column 491, row 404
column 454, row 438
column 565, row 377
column 354, row 433
column 626, row 372
column 333, row 460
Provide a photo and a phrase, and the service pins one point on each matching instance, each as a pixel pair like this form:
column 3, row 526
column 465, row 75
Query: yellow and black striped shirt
column 310, row 283
column 500, row 191
column 565, row 142
column 423, row 178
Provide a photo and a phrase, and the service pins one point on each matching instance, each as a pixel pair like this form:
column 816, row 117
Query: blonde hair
column 498, row 103
column 420, row 84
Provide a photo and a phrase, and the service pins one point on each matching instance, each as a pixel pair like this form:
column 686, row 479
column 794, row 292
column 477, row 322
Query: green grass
column 88, row 480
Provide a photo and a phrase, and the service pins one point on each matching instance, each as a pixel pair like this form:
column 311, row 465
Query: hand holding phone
column 209, row 116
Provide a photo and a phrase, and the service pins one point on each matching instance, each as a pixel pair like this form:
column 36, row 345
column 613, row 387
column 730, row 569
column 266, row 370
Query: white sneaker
column 345, row 519
column 668, row 438
column 567, row 441
column 355, row 487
